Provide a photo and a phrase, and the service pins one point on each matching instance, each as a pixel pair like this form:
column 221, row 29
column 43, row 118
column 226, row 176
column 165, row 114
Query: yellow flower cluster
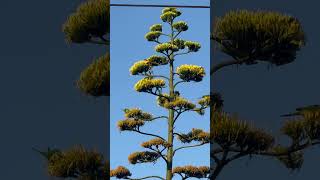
column 147, row 84
column 153, row 35
column 143, row 157
column 229, row 130
column 180, row 26
column 120, row 172
column 156, row 60
column 156, row 27
column 205, row 101
column 155, row 142
column 90, row 20
column 129, row 124
column 265, row 30
column 168, row 14
column 178, row 103
column 192, row 46
column 137, row 114
column 166, row 47
column 77, row 159
column 140, row 67
column 195, row 135
column 191, row 72
column 192, row 171
column 94, row 80
column 179, row 42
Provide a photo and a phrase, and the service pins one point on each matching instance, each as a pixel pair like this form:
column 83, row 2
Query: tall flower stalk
column 160, row 147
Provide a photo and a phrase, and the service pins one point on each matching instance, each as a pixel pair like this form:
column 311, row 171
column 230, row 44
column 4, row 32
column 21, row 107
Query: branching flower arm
column 226, row 63
column 178, row 54
column 92, row 41
column 190, row 146
column 147, row 177
column 182, row 81
column 155, row 76
column 148, row 134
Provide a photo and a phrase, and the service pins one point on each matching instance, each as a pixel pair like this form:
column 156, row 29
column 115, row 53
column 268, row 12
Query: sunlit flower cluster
column 129, row 124
column 147, row 84
column 155, row 142
column 168, row 14
column 120, row 172
column 195, row 135
column 137, row 114
column 143, row 157
column 166, row 47
column 180, row 26
column 179, row 42
column 156, row 60
column 191, row 72
column 153, row 35
column 192, row 171
column 156, row 27
column 192, row 46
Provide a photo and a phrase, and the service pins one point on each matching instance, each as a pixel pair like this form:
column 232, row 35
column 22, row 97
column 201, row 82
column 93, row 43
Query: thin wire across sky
column 157, row 5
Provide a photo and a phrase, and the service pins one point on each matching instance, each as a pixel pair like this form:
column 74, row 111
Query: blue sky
column 128, row 27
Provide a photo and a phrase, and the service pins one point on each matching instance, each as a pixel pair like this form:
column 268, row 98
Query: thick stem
column 220, row 165
column 216, row 172
column 170, row 127
column 171, row 114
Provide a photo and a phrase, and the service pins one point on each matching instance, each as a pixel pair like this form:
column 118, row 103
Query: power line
column 149, row 5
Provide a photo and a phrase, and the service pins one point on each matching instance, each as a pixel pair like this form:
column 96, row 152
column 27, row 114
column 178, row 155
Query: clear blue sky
column 129, row 25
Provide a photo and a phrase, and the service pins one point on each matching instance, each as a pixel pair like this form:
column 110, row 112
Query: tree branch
column 153, row 76
column 160, row 153
column 165, row 34
column 191, row 146
column 148, row 177
column 178, row 54
column 221, row 65
column 220, row 165
column 177, row 35
column 159, row 95
column 103, row 39
column 274, row 154
column 159, row 117
column 148, row 134
column 178, row 83
column 98, row 42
